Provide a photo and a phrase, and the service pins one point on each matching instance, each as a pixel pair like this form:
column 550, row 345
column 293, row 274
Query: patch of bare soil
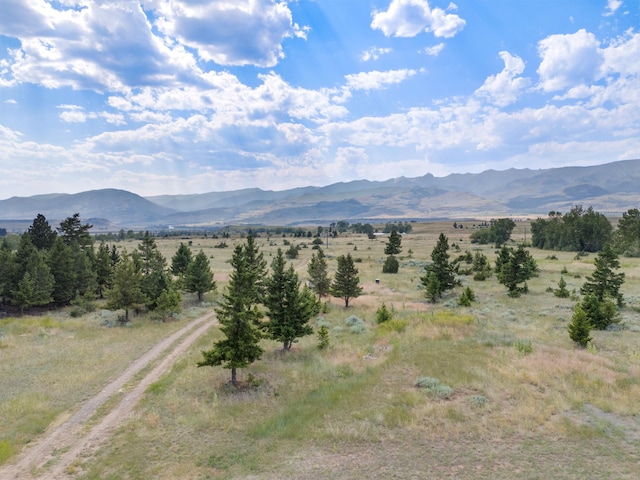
column 49, row 457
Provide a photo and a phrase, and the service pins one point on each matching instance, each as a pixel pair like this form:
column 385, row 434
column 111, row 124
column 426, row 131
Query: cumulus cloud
column 375, row 80
column 435, row 50
column 90, row 45
column 242, row 32
column 408, row 18
column 505, row 87
column 612, row 7
column 569, row 60
column 374, row 53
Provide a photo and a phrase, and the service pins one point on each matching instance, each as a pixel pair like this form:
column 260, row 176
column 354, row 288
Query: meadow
column 495, row 390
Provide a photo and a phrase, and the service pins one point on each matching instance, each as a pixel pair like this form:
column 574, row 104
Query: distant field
column 524, row 403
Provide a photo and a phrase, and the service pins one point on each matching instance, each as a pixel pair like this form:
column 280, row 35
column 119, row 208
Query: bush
column 393, row 325
column 524, row 347
column 479, row 400
column 434, row 387
column 352, row 320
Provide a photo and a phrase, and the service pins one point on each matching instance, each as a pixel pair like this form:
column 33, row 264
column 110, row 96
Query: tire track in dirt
column 67, row 436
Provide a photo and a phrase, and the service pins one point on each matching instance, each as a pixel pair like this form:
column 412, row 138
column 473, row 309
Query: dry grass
column 352, row 411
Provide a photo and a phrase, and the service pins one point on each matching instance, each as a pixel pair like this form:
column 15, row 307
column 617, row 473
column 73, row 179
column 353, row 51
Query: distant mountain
column 612, row 189
column 118, row 206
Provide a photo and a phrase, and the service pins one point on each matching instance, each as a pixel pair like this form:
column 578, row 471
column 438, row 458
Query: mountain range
column 611, row 188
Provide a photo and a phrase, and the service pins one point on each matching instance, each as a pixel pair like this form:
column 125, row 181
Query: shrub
column 434, row 387
column 352, row 320
column 523, row 347
column 479, row 400
column 393, row 325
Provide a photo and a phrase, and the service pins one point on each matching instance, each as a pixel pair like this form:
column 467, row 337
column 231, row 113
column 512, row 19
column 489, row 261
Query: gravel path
column 40, row 460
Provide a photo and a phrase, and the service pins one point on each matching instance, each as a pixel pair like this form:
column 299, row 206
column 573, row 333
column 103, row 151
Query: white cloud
column 10, row 101
column 374, row 53
column 408, row 18
column 569, row 60
column 242, row 32
column 96, row 45
column 505, row 87
column 375, row 80
column 435, row 50
column 612, row 7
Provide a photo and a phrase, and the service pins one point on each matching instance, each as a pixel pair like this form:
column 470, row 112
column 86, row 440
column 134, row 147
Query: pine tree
column 199, row 277
column 600, row 313
column 168, row 303
column 62, row 265
column 393, row 246
column 317, row 271
column 604, row 282
column 561, row 291
column 239, row 317
column 346, row 283
column 257, row 268
column 73, row 231
column 36, row 286
column 516, row 270
column 391, row 265
column 580, row 327
column 126, row 292
column 288, row 307
column 41, row 233
column 440, row 274
column 104, row 269
column 181, row 261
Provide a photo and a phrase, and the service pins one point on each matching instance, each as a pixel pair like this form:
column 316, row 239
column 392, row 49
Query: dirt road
column 42, row 460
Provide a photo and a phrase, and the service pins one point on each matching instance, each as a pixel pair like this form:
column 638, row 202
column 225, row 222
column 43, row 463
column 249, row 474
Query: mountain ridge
column 611, row 188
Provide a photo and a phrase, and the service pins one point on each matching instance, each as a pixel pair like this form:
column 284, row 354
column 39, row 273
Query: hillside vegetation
column 493, row 390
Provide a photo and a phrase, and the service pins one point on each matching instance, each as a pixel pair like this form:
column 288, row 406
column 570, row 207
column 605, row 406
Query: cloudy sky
column 192, row 96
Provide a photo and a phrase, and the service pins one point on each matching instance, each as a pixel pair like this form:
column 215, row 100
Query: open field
column 353, row 411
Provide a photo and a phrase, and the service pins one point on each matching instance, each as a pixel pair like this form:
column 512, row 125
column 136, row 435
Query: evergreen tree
column 126, row 292
column 561, row 291
column 600, row 313
column 604, row 282
column 104, row 269
column 580, row 327
column 36, row 286
column 62, row 266
column 41, row 233
column 153, row 266
column 626, row 238
column 257, row 268
column 84, row 269
column 288, row 307
column 515, row 272
column 181, row 261
column 440, row 273
column 239, row 318
column 346, row 283
column 168, row 303
column 391, row 265
column 393, row 246
column 318, row 274
column 74, row 232
column 199, row 277
column 7, row 265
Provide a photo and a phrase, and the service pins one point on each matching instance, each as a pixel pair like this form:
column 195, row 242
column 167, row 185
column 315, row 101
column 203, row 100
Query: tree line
column 62, row 267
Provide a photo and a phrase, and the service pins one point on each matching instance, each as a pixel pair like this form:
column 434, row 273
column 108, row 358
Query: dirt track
column 40, row 459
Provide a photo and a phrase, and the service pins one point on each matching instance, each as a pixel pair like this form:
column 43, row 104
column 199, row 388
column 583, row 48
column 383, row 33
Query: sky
column 193, row 96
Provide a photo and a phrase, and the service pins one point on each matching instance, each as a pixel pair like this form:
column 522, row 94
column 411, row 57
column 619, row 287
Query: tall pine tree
column 346, row 283
column 199, row 277
column 318, row 274
column 288, row 307
column 239, row 316
column 440, row 274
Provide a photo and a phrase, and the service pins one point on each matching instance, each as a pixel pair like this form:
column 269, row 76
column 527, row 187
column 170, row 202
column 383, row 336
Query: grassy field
column 521, row 401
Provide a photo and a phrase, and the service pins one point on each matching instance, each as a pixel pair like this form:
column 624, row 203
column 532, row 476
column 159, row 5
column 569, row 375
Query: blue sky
column 192, row 96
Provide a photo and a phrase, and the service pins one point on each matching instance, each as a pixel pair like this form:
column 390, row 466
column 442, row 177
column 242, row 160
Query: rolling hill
column 610, row 188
